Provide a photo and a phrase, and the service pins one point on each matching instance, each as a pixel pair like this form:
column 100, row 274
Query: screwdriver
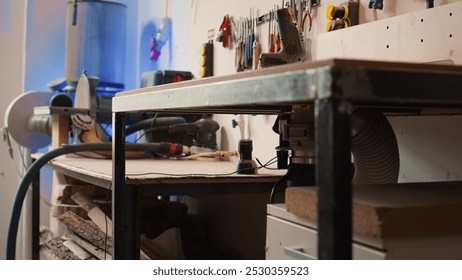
column 271, row 47
column 249, row 45
column 238, row 55
column 255, row 46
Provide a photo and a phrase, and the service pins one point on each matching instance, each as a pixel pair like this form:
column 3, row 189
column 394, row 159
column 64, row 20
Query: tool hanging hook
column 224, row 32
column 163, row 34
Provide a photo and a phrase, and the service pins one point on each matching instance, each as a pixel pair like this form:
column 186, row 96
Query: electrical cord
column 278, row 184
column 189, row 174
column 271, row 161
column 105, row 221
column 150, row 130
column 21, row 153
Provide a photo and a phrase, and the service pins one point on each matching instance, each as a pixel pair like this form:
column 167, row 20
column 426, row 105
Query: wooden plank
column 83, row 201
column 59, row 136
column 103, row 222
column 87, row 230
column 98, row 217
column 95, row 251
column 94, row 212
column 56, row 245
column 77, row 250
column 59, row 130
column 88, row 190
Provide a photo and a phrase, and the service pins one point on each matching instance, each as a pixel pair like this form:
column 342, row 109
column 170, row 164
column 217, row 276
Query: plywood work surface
column 159, row 171
column 393, row 211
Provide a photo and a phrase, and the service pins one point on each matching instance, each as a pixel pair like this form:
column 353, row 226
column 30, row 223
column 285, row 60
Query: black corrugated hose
column 154, row 122
column 374, row 148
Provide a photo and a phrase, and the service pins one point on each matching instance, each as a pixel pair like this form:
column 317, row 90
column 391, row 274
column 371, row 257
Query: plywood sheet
column 393, row 211
column 158, row 171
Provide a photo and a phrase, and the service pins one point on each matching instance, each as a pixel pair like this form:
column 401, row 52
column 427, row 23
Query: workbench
column 161, row 177
column 334, row 87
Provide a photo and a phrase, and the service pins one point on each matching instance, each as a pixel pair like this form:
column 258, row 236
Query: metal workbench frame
column 333, row 87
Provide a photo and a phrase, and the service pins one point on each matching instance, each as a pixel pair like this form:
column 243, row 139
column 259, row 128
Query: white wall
column 12, row 45
column 175, row 53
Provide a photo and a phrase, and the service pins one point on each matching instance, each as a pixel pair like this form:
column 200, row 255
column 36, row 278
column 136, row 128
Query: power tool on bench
column 195, row 130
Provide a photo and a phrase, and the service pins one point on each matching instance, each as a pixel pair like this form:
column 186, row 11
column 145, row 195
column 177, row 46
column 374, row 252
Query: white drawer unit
column 290, row 237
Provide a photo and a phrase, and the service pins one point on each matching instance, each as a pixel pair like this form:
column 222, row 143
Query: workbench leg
column 36, row 217
column 333, row 153
column 125, row 235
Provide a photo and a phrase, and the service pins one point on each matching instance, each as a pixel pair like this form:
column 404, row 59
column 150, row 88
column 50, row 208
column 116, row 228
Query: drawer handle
column 297, row 253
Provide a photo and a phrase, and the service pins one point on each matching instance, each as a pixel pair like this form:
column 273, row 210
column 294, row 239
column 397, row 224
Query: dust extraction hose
column 374, row 148
column 65, row 149
column 154, row 122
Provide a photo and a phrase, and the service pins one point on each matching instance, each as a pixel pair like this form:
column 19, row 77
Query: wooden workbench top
column 160, row 171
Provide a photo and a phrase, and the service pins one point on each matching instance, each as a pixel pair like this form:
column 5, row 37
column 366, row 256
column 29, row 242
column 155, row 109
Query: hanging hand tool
column 161, row 38
column 162, row 35
column 299, row 12
column 206, row 59
column 244, row 43
column 342, row 16
column 293, row 43
column 271, row 48
column 376, row 4
column 224, row 32
column 430, row 4
column 249, row 44
column 277, row 32
column 255, row 47
column 307, row 14
column 239, row 47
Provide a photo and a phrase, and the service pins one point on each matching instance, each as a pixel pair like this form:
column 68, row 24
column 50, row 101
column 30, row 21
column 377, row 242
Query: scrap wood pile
column 89, row 233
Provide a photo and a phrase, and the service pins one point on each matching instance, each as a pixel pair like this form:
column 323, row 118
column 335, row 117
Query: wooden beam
column 98, row 217
column 87, row 230
column 56, row 245
column 95, row 251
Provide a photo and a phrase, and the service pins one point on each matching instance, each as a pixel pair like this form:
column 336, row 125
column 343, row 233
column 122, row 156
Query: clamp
column 376, row 4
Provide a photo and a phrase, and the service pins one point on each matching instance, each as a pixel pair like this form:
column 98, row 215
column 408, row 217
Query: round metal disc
column 17, row 116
